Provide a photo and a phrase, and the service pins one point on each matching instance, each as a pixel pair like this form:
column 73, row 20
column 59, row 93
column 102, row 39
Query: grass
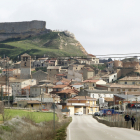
column 35, row 116
column 101, row 67
column 61, row 132
column 6, row 128
column 44, row 44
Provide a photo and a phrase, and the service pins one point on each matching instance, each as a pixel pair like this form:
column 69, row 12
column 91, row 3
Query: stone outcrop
column 10, row 30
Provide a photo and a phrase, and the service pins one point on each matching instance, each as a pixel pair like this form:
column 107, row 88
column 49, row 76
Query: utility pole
column 54, row 116
column 7, row 80
column 1, row 93
column 41, row 97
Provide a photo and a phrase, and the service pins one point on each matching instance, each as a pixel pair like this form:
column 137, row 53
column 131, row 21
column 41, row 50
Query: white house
column 92, row 83
column 99, row 93
column 109, row 78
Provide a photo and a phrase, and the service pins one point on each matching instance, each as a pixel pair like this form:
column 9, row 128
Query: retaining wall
column 121, row 124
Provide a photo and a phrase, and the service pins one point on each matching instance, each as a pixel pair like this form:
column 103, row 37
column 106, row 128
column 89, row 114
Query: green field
column 48, row 44
column 35, row 116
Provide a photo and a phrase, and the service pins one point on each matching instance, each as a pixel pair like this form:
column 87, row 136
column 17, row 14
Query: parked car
column 78, row 113
column 105, row 112
column 97, row 114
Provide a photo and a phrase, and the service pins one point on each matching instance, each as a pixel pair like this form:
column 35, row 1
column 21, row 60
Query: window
column 93, row 85
column 118, row 90
column 135, row 90
column 123, row 89
column 133, row 83
column 114, row 75
column 125, row 82
column 25, row 64
column 112, row 89
column 129, row 89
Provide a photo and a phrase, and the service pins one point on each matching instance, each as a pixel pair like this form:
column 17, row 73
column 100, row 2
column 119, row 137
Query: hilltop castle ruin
column 9, row 30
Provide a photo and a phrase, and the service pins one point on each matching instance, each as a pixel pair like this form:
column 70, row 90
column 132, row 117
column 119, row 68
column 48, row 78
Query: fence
column 118, row 121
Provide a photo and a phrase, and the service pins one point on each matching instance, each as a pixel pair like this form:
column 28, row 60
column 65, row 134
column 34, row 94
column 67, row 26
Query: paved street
column 86, row 128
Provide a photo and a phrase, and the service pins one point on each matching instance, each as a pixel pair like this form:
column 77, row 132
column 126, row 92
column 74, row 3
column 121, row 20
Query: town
column 69, row 70
column 84, row 85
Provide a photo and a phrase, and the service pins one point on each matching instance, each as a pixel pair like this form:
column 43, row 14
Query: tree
column 109, row 60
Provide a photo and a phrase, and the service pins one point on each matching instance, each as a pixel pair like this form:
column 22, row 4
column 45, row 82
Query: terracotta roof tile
column 90, row 81
column 67, row 91
column 60, row 86
column 123, row 86
column 82, row 98
column 130, row 78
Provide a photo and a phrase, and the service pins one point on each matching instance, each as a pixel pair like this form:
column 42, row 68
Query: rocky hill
column 33, row 38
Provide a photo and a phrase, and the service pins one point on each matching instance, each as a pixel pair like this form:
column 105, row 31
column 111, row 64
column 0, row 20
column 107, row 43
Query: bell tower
column 25, row 66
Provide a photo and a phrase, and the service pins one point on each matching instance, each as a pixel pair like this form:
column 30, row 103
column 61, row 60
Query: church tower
column 25, row 66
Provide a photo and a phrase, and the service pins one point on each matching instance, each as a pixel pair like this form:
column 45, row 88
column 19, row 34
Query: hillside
column 52, row 44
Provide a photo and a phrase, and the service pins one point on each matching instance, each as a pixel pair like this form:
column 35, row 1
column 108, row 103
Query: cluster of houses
column 71, row 83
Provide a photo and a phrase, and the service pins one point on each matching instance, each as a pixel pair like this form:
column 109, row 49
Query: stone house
column 5, row 90
column 92, row 83
column 17, row 65
column 110, row 64
column 130, row 80
column 60, row 76
column 40, row 75
column 18, row 84
column 28, row 104
column 11, row 72
column 37, row 90
column 93, row 59
column 88, row 73
column 64, row 91
column 53, row 70
column 119, row 88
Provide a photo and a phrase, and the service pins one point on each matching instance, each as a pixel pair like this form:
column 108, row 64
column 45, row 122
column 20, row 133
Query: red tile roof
column 8, row 70
column 90, row 81
column 82, row 98
column 60, row 86
column 27, row 87
column 92, row 55
column 69, row 91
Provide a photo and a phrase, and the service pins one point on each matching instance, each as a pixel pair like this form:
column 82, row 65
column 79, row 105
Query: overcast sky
column 101, row 26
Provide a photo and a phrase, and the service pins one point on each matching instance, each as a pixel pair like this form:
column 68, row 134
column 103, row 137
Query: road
column 87, row 128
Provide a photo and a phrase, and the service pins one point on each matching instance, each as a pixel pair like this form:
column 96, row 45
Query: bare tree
column 5, row 113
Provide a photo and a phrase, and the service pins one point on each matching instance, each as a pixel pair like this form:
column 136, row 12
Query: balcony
column 78, row 104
